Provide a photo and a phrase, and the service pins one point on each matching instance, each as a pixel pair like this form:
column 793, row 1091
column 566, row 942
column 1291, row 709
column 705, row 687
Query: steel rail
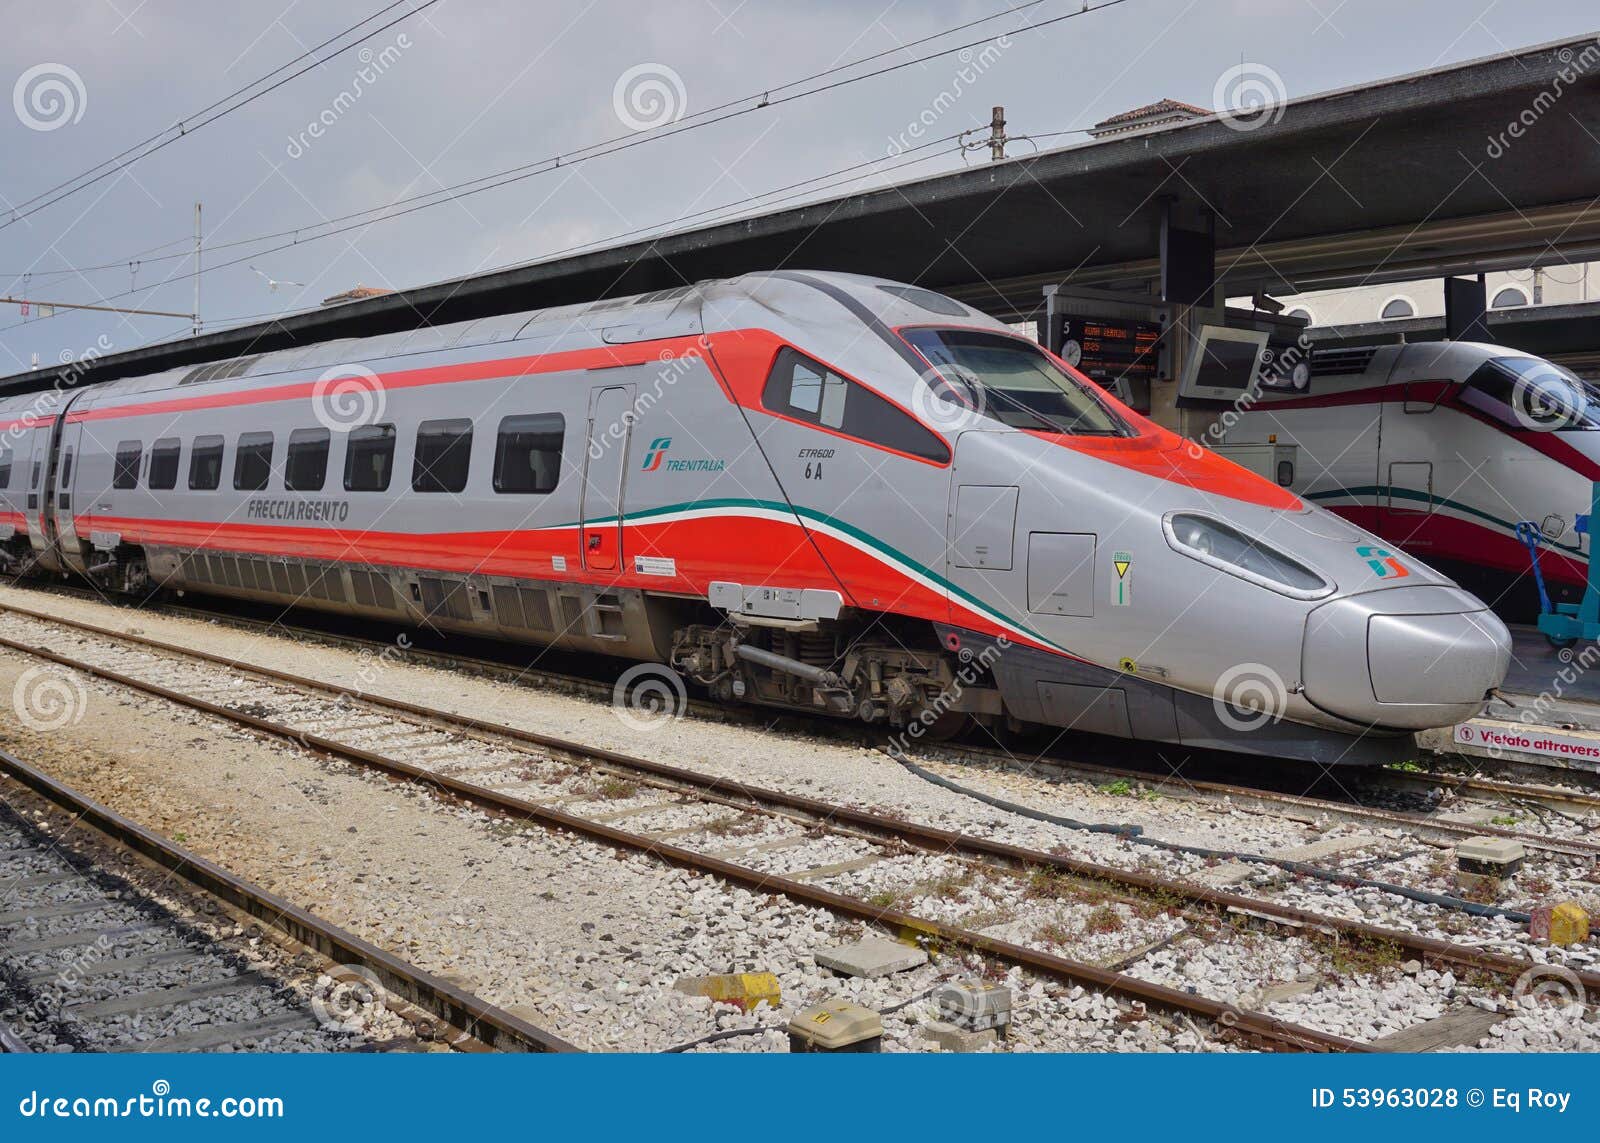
column 1256, row 1027
column 1250, row 797
column 493, row 1027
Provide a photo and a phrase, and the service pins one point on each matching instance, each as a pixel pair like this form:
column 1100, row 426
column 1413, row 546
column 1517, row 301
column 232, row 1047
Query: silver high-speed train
column 811, row 490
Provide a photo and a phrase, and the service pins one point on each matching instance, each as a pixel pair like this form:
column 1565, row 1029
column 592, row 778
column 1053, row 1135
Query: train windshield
column 1013, row 381
column 1540, row 394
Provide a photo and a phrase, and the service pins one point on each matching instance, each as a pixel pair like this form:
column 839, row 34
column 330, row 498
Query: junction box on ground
column 975, row 1006
column 1490, row 856
column 836, row 1026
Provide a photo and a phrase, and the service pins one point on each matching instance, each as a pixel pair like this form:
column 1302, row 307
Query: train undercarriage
column 886, row 672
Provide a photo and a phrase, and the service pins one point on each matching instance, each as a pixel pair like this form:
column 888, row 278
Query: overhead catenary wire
column 184, row 127
column 723, row 211
column 727, row 111
column 687, row 118
column 138, row 258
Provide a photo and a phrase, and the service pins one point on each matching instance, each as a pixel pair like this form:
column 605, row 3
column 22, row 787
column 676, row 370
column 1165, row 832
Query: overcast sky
column 466, row 88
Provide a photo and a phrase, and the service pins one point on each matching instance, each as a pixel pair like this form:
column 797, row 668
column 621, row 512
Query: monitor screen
column 1226, row 364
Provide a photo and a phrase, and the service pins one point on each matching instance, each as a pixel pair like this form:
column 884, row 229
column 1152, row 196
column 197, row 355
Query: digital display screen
column 1107, row 350
column 1226, row 364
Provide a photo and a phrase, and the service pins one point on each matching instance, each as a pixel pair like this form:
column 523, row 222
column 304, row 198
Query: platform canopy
column 1491, row 164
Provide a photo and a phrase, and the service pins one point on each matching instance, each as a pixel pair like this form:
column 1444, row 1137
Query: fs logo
column 658, row 451
column 1382, row 562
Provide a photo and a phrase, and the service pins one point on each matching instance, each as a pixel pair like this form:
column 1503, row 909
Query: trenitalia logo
column 656, row 458
column 1382, row 562
column 658, row 450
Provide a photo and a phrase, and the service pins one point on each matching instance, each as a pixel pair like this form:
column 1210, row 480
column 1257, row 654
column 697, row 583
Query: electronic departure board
column 1108, row 350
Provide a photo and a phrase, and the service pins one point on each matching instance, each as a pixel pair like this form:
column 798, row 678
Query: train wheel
column 1560, row 642
column 946, row 726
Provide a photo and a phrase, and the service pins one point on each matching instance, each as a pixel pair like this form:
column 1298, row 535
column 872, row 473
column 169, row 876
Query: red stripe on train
column 748, row 549
column 1548, row 444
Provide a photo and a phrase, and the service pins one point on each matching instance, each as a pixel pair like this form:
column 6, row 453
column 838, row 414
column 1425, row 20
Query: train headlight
column 1226, row 548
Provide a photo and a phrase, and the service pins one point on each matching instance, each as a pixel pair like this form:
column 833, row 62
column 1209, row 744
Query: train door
column 1428, row 458
column 982, row 556
column 62, row 501
column 36, row 447
column 605, row 467
column 1406, row 502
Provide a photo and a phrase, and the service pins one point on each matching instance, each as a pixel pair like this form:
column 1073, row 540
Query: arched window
column 1508, row 297
column 1302, row 313
column 1398, row 308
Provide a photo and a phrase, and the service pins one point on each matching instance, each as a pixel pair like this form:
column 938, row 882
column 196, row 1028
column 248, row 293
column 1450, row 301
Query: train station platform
column 1547, row 712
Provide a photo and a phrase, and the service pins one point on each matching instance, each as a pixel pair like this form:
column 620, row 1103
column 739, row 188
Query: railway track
column 542, row 779
column 94, row 959
column 1424, row 826
column 1430, row 785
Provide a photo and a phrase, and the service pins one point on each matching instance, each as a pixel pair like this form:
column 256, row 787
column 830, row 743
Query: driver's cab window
column 1532, row 393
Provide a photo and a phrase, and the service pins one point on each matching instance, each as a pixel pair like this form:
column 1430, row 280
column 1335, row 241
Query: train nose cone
column 1409, row 658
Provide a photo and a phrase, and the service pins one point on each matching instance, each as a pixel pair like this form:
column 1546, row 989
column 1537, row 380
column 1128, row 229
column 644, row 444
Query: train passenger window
column 444, row 449
column 527, row 453
column 126, row 474
column 5, row 468
column 806, row 390
column 205, row 464
column 252, row 463
column 812, row 389
column 164, row 463
column 369, row 458
column 66, row 469
column 306, row 467
column 34, row 483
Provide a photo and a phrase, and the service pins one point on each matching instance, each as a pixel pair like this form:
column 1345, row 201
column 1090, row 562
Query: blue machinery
column 1565, row 623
